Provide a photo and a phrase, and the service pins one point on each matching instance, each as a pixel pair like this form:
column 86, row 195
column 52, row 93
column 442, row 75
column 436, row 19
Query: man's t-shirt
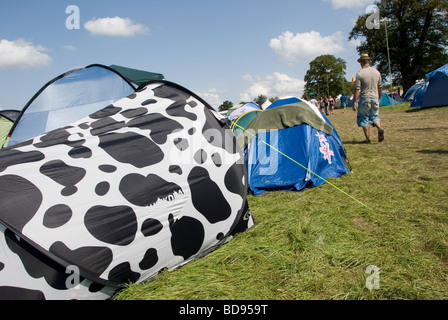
column 368, row 80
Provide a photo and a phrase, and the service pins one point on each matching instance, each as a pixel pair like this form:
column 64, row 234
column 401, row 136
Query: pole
column 388, row 58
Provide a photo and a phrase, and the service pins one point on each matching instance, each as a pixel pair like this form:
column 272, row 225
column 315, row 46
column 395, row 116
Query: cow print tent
column 147, row 183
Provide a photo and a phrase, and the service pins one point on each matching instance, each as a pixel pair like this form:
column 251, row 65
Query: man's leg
column 376, row 119
column 364, row 117
column 380, row 131
column 366, row 133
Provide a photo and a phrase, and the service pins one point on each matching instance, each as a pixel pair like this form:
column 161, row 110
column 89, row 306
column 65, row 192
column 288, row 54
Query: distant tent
column 396, row 97
column 284, row 101
column 386, row 100
column 69, row 97
column 140, row 185
column 303, row 134
column 239, row 124
column 7, row 119
column 412, row 91
column 138, row 76
column 229, row 111
column 243, row 109
column 433, row 92
column 350, row 101
column 419, row 96
column 266, row 104
column 437, row 86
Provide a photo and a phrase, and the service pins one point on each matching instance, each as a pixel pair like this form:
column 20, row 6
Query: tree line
column 260, row 100
column 406, row 39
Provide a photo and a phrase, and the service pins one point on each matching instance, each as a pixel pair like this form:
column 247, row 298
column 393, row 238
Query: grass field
column 318, row 244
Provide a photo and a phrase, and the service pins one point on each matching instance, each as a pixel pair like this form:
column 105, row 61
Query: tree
column 260, row 99
column 226, row 105
column 417, row 33
column 326, row 77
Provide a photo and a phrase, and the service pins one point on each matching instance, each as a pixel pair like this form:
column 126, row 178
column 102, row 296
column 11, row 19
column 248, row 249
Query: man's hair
column 365, row 62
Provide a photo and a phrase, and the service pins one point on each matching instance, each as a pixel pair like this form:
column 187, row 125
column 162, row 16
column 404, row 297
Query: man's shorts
column 368, row 112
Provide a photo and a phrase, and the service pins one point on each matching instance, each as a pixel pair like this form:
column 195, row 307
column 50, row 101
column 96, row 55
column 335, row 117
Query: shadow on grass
column 439, row 151
column 424, row 129
column 418, row 109
column 354, row 142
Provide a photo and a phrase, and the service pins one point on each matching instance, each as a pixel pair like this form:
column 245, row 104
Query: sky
column 220, row 49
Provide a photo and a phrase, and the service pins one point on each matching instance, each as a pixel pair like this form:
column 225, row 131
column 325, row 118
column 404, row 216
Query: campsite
column 318, row 244
column 384, row 219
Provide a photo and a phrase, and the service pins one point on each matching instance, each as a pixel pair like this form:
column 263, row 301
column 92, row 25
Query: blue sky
column 220, row 49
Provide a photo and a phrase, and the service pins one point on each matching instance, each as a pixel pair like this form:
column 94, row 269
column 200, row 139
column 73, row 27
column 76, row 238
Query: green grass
column 318, row 243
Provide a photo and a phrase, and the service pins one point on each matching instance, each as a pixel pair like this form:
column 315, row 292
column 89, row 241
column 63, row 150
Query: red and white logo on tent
column 325, row 147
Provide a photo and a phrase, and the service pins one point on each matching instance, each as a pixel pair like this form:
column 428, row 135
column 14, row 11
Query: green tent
column 138, row 76
column 242, row 121
column 7, row 118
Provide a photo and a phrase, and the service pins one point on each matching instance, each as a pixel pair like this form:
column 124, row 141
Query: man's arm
column 355, row 100
column 380, row 87
column 357, row 91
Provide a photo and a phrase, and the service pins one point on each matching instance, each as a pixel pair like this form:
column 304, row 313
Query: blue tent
column 386, row 100
column 284, row 101
column 294, row 143
column 410, row 94
column 419, row 96
column 433, row 92
column 437, row 86
column 69, row 97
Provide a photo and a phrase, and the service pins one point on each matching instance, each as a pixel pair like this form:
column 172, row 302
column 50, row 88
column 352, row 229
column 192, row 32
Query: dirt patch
column 360, row 223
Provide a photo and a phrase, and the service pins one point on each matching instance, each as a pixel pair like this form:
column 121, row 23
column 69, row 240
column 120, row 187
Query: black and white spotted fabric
column 150, row 182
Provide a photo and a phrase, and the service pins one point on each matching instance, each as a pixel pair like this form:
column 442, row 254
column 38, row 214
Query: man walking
column 369, row 87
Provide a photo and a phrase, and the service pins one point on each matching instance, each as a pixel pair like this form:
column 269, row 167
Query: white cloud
column 211, row 96
column 21, row 55
column 115, row 27
column 248, row 77
column 69, row 47
column 355, row 42
column 306, row 46
column 274, row 85
column 351, row 4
